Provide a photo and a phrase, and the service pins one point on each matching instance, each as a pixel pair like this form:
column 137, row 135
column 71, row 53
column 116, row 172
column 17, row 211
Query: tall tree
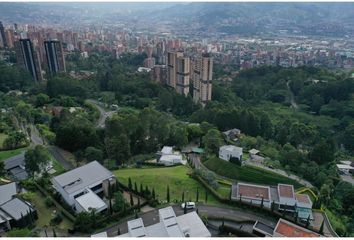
column 36, row 159
column 168, row 194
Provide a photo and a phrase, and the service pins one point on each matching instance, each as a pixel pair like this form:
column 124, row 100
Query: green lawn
column 159, row 178
column 45, row 213
column 246, row 173
column 3, row 136
column 10, row 153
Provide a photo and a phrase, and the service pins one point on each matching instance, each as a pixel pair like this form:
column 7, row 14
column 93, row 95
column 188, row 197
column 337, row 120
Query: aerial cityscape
column 176, row 119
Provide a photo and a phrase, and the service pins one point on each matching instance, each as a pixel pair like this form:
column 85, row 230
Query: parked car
column 190, row 205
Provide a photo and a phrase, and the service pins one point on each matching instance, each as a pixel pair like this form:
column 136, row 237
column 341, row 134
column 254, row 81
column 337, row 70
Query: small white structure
column 171, row 159
column 228, row 151
column 79, row 186
column 187, row 225
column 345, row 167
column 168, row 157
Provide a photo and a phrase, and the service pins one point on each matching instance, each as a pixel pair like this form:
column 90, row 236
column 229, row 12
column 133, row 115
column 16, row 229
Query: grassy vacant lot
column 159, row 178
column 3, row 136
column 10, row 153
column 246, row 173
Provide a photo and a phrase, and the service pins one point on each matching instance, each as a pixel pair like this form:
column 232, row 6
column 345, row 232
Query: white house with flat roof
column 168, row 157
column 187, row 225
column 228, row 151
column 80, row 186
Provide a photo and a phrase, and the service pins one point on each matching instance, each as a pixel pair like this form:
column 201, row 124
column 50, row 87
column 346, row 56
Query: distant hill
column 237, row 17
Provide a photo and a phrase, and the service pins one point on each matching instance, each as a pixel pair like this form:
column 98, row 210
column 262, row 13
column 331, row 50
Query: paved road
column 55, row 151
column 35, row 136
column 281, row 172
column 152, row 217
column 103, row 113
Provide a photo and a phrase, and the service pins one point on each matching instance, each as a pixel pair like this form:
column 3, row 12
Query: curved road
column 103, row 113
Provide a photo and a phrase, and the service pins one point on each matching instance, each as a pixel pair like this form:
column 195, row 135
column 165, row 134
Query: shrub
column 48, row 202
column 56, row 219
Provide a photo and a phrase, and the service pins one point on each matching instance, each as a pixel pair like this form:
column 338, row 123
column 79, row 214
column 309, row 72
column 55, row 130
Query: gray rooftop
column 15, row 208
column 82, row 177
column 264, row 228
column 14, row 161
column 18, row 173
column 136, row 228
column 7, row 191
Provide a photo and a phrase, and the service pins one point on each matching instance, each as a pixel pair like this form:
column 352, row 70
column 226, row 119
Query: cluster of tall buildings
column 184, row 73
column 29, row 58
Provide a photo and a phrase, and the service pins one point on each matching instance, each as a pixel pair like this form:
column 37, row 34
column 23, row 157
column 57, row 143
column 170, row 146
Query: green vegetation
column 23, row 232
column 176, row 178
column 246, row 173
column 46, row 213
column 3, row 136
column 10, row 153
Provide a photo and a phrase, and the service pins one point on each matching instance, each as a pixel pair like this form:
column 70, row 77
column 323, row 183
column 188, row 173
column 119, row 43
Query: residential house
column 251, row 193
column 82, row 187
column 16, row 167
column 283, row 228
column 187, row 225
column 168, row 157
column 282, row 196
column 230, row 151
column 14, row 212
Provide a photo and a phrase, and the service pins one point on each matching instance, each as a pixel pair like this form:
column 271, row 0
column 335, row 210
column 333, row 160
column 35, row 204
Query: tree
column 42, row 99
column 168, row 194
column 141, row 189
column 130, row 183
column 138, row 203
column 212, row 141
column 131, row 199
column 54, row 233
column 325, row 193
column 2, row 168
column 118, row 148
column 36, row 159
column 349, row 136
column 323, row 152
column 93, row 154
column 135, row 187
column 206, row 196
column 76, row 134
column 183, row 196
column 119, row 202
column 197, row 197
column 153, row 194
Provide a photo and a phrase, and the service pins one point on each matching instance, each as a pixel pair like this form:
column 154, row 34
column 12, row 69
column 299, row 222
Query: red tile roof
column 253, row 191
column 303, row 198
column 286, row 191
column 288, row 229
